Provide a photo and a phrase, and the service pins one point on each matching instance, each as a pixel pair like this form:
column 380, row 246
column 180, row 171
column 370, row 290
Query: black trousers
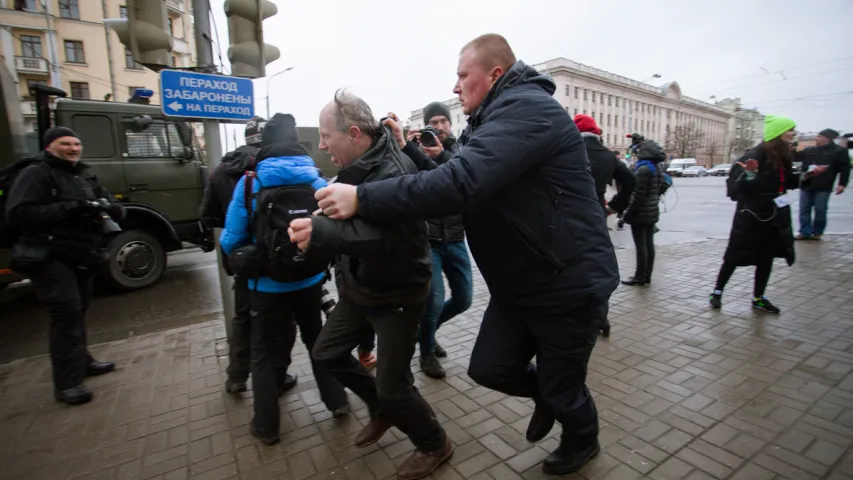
column 644, row 241
column 240, row 343
column 391, row 394
column 562, row 344
column 272, row 315
column 65, row 290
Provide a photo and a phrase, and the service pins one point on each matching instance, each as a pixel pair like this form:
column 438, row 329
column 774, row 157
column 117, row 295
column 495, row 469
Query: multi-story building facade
column 622, row 106
column 65, row 44
column 745, row 129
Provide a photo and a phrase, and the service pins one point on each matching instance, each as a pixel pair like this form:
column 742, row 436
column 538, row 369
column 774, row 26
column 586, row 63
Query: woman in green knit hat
column 761, row 229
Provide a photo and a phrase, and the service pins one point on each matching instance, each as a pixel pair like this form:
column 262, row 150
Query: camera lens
column 428, row 138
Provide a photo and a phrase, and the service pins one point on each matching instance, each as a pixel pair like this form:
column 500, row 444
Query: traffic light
column 248, row 53
column 145, row 32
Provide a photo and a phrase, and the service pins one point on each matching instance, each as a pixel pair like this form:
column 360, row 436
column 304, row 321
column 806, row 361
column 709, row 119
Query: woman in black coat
column 643, row 210
column 761, row 229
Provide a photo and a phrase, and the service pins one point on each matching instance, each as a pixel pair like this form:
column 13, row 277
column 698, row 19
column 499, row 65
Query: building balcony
column 28, row 108
column 180, row 46
column 31, row 65
column 176, row 5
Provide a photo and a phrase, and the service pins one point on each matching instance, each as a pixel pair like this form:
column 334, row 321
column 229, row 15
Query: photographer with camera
column 429, row 148
column 64, row 216
column 284, row 285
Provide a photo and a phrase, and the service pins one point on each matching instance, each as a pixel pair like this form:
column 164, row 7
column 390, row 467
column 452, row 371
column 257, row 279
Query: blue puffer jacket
column 278, row 164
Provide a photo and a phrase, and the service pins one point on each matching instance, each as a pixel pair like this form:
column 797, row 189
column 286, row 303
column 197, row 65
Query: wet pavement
column 696, row 209
column 683, row 392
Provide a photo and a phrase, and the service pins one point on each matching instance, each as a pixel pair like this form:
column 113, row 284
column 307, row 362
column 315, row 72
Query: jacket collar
column 592, row 141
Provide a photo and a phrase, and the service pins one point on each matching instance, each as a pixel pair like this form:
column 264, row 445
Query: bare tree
column 684, row 141
column 713, row 150
column 738, row 146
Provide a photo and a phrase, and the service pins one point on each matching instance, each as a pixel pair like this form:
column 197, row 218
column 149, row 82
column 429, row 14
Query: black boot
column 563, row 462
column 541, row 422
column 286, row 383
column 99, row 368
column 73, row 396
column 635, row 281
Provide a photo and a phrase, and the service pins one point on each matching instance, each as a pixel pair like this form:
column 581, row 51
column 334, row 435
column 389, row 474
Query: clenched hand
column 338, row 201
column 300, row 232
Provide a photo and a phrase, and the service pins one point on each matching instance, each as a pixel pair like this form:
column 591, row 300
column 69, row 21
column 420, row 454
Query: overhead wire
column 780, row 71
column 215, row 43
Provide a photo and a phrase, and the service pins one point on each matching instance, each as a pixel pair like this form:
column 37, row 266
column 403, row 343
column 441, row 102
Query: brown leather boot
column 422, row 464
column 372, row 432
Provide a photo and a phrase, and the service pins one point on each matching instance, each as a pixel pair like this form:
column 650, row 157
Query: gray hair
column 351, row 110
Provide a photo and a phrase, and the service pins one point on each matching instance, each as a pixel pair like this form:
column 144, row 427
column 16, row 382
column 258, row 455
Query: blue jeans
column 452, row 259
column 820, row 202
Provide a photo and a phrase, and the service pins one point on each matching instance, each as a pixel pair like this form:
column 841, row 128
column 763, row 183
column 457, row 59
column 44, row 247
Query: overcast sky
column 399, row 56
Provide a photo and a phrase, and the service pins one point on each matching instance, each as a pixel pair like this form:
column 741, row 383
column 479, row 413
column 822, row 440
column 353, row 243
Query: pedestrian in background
column 643, row 212
column 816, row 190
column 761, row 229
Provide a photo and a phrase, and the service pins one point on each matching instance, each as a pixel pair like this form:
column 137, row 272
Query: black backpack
column 279, row 258
column 9, row 234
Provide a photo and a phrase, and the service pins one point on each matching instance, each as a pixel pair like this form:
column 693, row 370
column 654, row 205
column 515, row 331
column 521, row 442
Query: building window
column 585, row 96
column 122, row 11
column 610, row 100
column 617, row 102
column 576, row 112
column 616, row 120
column 74, row 52
column 171, row 26
column 33, row 83
column 608, row 119
column 608, row 139
column 25, row 5
column 69, row 9
column 80, row 90
column 31, row 46
column 128, row 60
column 584, row 112
column 568, row 90
column 576, row 92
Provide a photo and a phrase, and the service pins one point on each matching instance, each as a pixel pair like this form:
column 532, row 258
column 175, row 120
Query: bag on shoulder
column 734, row 174
column 9, row 234
column 278, row 258
column 665, row 184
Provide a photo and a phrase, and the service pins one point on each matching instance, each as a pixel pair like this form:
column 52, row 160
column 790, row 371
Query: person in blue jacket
column 281, row 161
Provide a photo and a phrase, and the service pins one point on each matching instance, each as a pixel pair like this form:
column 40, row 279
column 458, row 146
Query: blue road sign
column 206, row 96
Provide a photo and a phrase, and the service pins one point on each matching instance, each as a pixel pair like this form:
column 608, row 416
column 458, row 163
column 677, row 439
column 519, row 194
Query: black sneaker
column 715, row 301
column 341, row 411
column 440, row 352
column 432, row 368
column 764, row 305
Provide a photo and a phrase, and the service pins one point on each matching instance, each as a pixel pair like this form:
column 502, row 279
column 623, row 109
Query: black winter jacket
column 381, row 264
column 447, row 229
column 605, row 169
column 832, row 155
column 644, row 207
column 49, row 202
column 217, row 195
column 522, row 179
column 759, row 227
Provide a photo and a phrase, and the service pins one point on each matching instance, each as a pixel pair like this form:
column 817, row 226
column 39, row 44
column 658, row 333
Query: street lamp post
column 268, row 87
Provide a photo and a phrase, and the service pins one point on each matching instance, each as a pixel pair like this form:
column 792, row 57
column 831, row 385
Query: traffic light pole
column 213, row 144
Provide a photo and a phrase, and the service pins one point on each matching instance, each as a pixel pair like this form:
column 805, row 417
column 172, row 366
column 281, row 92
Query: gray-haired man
column 385, row 280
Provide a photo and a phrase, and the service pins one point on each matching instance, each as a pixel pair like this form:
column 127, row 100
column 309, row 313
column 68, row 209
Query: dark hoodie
column 534, row 224
column 219, row 189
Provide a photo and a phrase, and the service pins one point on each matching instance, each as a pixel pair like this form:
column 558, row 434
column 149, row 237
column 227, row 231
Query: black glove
column 86, row 209
column 115, row 210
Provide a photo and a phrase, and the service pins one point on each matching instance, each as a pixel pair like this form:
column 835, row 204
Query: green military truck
column 147, row 161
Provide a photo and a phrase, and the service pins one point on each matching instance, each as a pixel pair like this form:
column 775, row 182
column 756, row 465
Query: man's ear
column 354, row 134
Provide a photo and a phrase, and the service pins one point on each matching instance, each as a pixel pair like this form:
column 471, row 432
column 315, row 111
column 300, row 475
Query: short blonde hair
column 492, row 51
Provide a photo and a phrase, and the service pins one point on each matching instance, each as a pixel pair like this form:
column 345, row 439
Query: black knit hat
column 254, row 129
column 436, row 108
column 828, row 133
column 58, row 132
column 280, row 128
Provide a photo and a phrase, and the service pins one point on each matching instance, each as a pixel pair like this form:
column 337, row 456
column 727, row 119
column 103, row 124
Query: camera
column 429, row 137
column 108, row 225
column 327, row 302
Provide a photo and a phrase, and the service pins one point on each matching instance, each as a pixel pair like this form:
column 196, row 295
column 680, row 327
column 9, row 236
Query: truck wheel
column 137, row 260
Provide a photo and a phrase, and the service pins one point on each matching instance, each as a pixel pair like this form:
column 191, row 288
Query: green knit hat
column 775, row 126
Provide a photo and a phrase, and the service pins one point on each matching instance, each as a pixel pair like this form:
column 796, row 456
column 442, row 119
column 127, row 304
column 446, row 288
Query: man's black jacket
column 446, row 229
column 217, row 195
column 49, row 203
column 522, row 179
column 381, row 264
column 832, row 155
column 607, row 168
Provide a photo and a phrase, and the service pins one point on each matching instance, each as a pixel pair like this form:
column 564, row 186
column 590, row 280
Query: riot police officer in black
column 64, row 215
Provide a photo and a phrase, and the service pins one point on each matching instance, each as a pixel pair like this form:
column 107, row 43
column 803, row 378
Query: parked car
column 720, row 170
column 677, row 166
column 694, row 171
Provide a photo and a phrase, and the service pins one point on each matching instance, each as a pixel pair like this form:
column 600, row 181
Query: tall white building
column 622, row 106
column 746, row 127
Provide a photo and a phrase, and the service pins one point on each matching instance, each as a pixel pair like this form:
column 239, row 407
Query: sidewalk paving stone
column 683, row 391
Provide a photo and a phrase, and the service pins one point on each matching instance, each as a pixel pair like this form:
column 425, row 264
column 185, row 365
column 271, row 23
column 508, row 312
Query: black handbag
column 29, row 257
